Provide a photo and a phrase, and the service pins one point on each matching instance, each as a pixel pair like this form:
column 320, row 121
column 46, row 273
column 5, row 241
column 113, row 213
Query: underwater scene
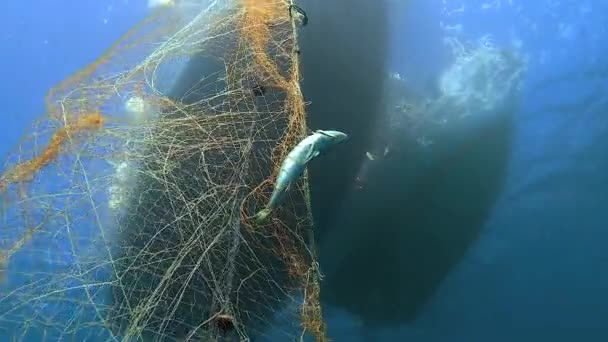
column 304, row 170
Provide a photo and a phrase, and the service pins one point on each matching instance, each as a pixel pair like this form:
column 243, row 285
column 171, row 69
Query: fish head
column 333, row 136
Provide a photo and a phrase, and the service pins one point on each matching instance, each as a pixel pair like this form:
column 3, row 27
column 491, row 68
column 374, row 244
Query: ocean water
column 495, row 231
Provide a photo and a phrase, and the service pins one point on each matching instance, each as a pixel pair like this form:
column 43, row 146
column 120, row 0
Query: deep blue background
column 539, row 269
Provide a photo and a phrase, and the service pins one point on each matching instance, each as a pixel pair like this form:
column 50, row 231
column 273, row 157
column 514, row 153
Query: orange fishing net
column 133, row 201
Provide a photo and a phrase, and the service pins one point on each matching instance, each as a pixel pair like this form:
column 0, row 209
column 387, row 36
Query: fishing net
column 131, row 203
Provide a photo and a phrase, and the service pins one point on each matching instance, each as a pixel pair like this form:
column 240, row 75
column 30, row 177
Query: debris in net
column 259, row 90
column 223, row 323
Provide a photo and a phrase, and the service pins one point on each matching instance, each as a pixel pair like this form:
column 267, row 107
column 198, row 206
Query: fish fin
column 312, row 152
column 370, row 156
column 262, row 215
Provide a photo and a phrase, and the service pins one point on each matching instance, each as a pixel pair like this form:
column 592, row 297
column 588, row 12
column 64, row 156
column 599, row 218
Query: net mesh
column 132, row 206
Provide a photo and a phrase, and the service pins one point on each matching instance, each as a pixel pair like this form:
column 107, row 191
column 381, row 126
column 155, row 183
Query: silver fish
column 295, row 163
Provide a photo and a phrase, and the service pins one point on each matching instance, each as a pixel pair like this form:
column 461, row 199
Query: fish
column 295, row 163
column 368, row 164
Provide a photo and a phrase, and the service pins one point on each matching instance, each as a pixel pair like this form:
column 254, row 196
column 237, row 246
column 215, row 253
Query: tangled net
column 134, row 220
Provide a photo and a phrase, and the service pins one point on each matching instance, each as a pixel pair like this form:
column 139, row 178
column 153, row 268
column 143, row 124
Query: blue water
column 537, row 272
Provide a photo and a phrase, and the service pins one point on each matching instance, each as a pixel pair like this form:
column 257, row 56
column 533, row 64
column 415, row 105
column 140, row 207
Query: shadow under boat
column 391, row 245
column 384, row 251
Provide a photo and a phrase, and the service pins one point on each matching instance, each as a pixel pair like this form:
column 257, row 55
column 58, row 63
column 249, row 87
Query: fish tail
column 262, row 215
